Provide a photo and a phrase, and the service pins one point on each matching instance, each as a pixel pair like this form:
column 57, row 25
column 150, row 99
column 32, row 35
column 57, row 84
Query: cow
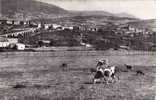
column 106, row 74
column 99, row 75
column 139, row 72
column 64, row 66
column 109, row 73
column 129, row 67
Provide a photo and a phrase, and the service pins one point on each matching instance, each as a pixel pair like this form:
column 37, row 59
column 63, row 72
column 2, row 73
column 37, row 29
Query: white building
column 9, row 22
column 20, row 46
column 67, row 27
column 55, row 26
column 4, row 44
column 12, row 40
column 46, row 26
column 39, row 26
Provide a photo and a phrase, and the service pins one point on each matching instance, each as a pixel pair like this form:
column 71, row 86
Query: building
column 12, row 40
column 11, row 43
column 39, row 26
column 16, row 22
column 20, row 46
column 55, row 26
column 9, row 22
column 67, row 27
column 3, row 42
column 47, row 26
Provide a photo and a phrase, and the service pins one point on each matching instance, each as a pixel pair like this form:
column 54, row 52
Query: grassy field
column 39, row 76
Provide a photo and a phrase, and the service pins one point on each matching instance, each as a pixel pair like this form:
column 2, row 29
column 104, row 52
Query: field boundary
column 81, row 53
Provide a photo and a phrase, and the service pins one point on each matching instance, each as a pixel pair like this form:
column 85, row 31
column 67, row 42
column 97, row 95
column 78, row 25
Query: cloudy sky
column 145, row 9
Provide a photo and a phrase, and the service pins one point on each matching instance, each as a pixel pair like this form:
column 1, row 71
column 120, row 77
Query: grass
column 38, row 76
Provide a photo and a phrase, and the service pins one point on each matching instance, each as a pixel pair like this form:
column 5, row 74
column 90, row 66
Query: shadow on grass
column 38, row 86
column 19, row 86
column 88, row 83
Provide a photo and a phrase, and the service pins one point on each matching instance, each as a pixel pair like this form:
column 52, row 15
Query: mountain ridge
column 32, row 9
column 23, row 9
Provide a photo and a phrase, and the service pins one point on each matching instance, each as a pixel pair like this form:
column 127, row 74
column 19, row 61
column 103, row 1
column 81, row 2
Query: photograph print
column 77, row 50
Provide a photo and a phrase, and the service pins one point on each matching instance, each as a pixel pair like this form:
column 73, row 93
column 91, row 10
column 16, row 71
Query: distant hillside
column 22, row 9
column 124, row 15
column 32, row 9
column 103, row 13
column 91, row 20
column 91, row 13
column 148, row 24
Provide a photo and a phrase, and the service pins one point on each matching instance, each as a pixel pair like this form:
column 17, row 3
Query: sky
column 144, row 9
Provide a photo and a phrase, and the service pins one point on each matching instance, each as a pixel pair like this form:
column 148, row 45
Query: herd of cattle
column 105, row 73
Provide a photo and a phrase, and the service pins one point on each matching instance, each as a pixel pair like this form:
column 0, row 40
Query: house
column 39, row 26
column 9, row 22
column 88, row 45
column 16, row 22
column 124, row 47
column 59, row 28
column 20, row 46
column 3, row 42
column 55, row 26
column 12, row 40
column 67, row 27
column 47, row 26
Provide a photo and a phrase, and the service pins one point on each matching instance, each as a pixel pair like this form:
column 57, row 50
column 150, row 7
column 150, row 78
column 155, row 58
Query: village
column 21, row 34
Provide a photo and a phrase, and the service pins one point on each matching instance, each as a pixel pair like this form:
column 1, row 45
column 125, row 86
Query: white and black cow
column 105, row 74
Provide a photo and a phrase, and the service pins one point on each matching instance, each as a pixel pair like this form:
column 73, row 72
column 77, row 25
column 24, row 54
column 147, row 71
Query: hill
column 145, row 24
column 103, row 13
column 28, row 9
column 32, row 9
column 91, row 13
column 89, row 20
column 124, row 15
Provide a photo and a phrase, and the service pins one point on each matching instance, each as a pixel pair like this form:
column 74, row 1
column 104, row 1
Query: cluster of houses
column 54, row 27
column 14, row 22
column 11, row 43
column 47, row 26
column 119, row 30
column 133, row 31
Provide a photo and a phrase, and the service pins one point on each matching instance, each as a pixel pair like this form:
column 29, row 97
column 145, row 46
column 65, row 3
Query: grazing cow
column 106, row 74
column 139, row 72
column 109, row 73
column 99, row 75
column 64, row 66
column 129, row 67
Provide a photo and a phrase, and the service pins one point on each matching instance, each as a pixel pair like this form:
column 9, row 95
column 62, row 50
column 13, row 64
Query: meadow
column 40, row 76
